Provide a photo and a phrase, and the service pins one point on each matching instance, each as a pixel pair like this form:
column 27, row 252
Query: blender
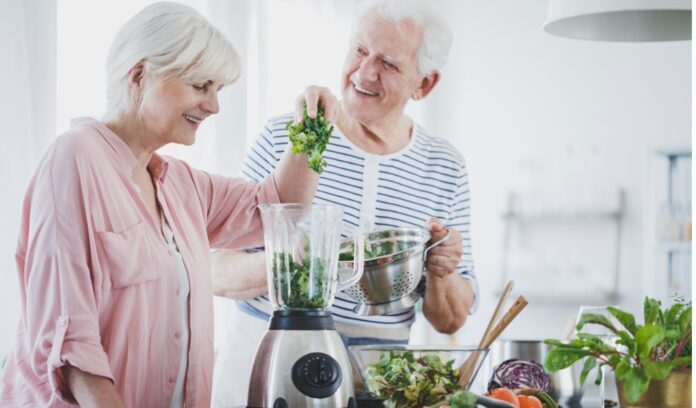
column 301, row 360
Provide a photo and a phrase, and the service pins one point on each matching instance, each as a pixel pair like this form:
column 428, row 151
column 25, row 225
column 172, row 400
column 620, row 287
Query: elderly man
column 384, row 170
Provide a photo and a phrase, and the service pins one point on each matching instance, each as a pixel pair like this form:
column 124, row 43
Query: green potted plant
column 651, row 362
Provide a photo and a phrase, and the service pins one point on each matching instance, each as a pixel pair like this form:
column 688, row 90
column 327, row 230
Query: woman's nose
column 211, row 103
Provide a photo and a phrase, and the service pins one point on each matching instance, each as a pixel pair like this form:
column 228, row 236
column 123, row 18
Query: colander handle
column 445, row 238
column 358, row 263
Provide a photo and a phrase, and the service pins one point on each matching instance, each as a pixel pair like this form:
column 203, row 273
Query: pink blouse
column 98, row 283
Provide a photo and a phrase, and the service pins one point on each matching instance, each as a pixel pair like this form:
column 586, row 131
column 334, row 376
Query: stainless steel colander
column 389, row 281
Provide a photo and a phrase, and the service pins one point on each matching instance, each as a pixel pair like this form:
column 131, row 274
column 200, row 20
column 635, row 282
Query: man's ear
column 426, row 85
column 135, row 80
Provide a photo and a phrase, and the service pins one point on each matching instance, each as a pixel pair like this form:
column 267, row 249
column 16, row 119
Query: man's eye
column 390, row 66
column 360, row 51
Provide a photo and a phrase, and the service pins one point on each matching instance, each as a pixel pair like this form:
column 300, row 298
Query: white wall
column 586, row 115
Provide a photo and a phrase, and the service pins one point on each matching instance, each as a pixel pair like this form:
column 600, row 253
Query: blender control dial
column 317, row 375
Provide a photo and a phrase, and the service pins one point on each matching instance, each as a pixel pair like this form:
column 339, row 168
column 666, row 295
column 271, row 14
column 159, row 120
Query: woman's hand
column 316, row 97
column 91, row 390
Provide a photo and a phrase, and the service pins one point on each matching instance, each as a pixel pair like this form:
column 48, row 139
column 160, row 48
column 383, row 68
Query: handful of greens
column 311, row 137
column 301, row 285
column 404, row 381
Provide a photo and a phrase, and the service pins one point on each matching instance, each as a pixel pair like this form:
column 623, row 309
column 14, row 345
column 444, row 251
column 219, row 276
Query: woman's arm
column 239, row 274
column 91, row 390
column 295, row 182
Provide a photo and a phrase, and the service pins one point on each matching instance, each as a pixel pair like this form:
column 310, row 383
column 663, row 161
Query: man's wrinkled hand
column 316, row 97
column 443, row 259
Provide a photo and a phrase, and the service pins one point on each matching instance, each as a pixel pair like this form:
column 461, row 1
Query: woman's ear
column 135, row 80
column 426, row 85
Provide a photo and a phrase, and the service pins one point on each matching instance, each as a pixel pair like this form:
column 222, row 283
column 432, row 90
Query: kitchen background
column 579, row 152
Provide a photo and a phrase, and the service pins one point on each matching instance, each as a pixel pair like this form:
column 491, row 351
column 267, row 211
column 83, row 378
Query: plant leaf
column 635, row 384
column 657, row 370
column 562, row 357
column 628, row 341
column 590, row 363
column 553, row 342
column 622, row 369
column 625, row 318
column 685, row 320
column 672, row 315
column 681, row 361
column 594, row 318
column 647, row 338
column 598, row 379
column 651, row 310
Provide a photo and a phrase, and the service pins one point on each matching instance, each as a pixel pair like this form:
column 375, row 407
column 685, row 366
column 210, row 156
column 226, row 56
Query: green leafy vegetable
column 377, row 249
column 642, row 353
column 301, row 285
column 311, row 137
column 462, row 399
column 404, row 381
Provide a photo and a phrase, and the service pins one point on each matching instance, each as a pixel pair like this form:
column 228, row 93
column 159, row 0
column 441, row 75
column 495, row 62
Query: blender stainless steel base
column 301, row 362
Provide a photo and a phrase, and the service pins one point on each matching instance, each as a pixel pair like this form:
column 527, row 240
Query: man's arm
column 239, row 274
column 448, row 296
column 91, row 390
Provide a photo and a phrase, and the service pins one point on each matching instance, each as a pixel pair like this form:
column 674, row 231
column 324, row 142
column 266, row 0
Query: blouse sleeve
column 61, row 295
column 232, row 217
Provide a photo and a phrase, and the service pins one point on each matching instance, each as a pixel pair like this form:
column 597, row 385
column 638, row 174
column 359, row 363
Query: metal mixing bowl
column 389, row 281
column 565, row 384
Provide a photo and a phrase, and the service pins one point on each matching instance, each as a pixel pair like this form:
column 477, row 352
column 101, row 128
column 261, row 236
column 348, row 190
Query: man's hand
column 315, row 97
column 443, row 259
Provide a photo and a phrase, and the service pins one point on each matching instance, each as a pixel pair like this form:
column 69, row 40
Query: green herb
column 311, row 137
column 301, row 285
column 404, row 381
column 643, row 353
column 377, row 249
column 462, row 399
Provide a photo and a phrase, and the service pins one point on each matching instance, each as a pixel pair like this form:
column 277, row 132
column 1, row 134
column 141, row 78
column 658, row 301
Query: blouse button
column 177, row 335
column 171, row 380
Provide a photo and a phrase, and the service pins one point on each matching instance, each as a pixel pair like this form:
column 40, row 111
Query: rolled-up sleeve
column 55, row 263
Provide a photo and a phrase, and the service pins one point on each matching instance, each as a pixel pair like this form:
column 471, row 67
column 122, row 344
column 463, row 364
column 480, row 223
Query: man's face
column 381, row 70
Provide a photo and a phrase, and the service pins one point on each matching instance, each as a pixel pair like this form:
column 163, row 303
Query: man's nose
column 368, row 71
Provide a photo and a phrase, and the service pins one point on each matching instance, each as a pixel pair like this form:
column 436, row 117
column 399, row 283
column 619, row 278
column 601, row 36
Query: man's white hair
column 437, row 36
column 173, row 41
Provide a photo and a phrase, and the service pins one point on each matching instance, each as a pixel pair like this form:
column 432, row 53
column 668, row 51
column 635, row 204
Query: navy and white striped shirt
column 426, row 179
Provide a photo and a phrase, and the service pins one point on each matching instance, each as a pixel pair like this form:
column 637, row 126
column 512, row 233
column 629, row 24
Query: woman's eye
column 359, row 51
column 199, row 87
column 390, row 66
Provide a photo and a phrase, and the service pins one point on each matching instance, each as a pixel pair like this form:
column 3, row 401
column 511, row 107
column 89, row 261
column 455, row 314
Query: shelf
column 675, row 246
column 570, row 216
column 565, row 298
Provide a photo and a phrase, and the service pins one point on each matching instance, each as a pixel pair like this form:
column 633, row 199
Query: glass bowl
column 366, row 357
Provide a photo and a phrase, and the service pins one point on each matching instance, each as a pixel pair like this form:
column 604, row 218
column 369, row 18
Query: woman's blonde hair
column 173, row 41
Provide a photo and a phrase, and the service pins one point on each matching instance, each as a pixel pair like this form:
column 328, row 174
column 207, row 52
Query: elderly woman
column 113, row 253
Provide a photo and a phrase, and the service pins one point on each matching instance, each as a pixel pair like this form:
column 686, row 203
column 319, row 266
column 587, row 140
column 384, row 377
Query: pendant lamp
column 620, row 20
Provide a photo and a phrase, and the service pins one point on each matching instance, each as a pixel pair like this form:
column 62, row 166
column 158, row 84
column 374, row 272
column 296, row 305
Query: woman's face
column 175, row 109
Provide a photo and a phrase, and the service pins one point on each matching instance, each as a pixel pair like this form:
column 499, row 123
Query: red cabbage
column 515, row 374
